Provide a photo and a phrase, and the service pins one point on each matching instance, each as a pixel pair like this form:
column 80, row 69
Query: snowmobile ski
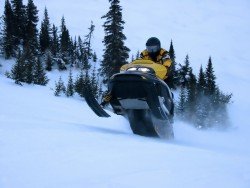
column 94, row 105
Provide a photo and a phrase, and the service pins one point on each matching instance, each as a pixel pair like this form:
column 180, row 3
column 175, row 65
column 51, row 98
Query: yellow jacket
column 162, row 58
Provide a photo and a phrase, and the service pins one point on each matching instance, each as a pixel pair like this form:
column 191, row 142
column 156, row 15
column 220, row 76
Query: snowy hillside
column 48, row 141
column 58, row 142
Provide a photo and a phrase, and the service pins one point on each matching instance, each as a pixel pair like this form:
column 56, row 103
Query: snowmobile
column 140, row 94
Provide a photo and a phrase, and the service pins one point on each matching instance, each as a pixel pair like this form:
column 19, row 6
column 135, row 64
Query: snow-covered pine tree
column 40, row 77
column 191, row 101
column 70, row 85
column 8, row 43
column 202, row 102
column 173, row 78
column 79, row 84
column 210, row 79
column 218, row 100
column 94, row 82
column 73, row 53
column 181, row 105
column 79, row 52
column 85, row 48
column 184, row 71
column 210, row 93
column 87, row 83
column 201, row 83
column 115, row 53
column 45, row 33
column 55, row 46
column 85, row 62
column 30, row 59
column 19, row 21
column 222, row 118
column 1, row 34
column 82, row 83
column 18, row 70
column 31, row 32
column 87, row 41
column 64, row 42
column 59, row 87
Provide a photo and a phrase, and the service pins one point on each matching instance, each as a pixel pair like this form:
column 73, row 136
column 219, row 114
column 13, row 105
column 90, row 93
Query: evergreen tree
column 8, row 31
column 181, row 106
column 64, row 41
column 202, row 102
column 222, row 118
column 87, row 84
column 45, row 33
column 55, row 46
column 1, row 34
column 59, row 87
column 94, row 83
column 19, row 21
column 70, row 86
column 115, row 53
column 173, row 77
column 83, row 83
column 210, row 79
column 201, row 84
column 184, row 72
column 79, row 52
column 40, row 77
column 82, row 55
column 191, row 96
column 86, row 50
column 31, row 33
column 17, row 72
column 80, row 84
column 73, row 52
column 85, row 62
column 87, row 41
column 29, row 65
column 211, row 110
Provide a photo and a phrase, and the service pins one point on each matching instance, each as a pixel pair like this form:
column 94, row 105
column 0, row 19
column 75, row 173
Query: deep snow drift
column 46, row 141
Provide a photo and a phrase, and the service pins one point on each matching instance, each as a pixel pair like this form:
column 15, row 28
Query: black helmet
column 153, row 45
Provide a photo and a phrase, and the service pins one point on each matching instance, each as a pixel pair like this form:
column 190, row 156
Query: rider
column 157, row 54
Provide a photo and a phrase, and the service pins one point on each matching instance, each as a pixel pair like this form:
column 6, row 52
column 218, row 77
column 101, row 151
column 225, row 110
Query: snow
column 49, row 141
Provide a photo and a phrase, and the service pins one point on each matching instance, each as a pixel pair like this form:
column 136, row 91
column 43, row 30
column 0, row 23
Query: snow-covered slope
column 47, row 141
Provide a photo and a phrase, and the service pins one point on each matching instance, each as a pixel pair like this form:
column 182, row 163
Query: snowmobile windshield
column 152, row 49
